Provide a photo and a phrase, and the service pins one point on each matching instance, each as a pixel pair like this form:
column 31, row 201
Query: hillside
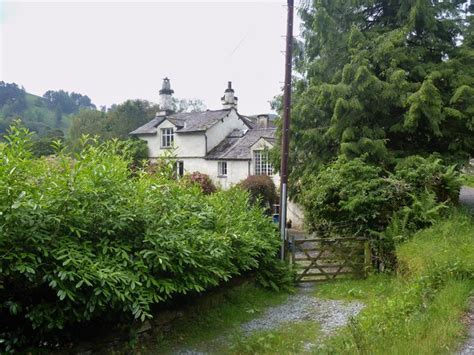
column 42, row 115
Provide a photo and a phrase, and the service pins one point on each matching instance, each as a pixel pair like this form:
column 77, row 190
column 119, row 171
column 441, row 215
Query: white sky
column 117, row 50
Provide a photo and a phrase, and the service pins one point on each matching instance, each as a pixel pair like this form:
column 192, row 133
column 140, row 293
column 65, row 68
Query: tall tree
column 128, row 116
column 383, row 79
column 12, row 99
column 87, row 122
column 66, row 102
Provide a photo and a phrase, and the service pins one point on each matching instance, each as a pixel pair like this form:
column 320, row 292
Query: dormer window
column 167, row 137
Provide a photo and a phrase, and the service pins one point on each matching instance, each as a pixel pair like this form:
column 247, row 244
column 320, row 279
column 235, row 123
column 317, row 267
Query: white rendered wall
column 237, row 170
column 154, row 141
column 295, row 214
column 222, row 129
column 189, row 145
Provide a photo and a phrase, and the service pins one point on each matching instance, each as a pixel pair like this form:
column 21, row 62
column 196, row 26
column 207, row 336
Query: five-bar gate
column 320, row 259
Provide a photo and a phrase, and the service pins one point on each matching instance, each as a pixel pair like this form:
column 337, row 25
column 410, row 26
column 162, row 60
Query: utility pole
column 286, row 126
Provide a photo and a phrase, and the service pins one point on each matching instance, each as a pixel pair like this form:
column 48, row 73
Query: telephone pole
column 286, row 126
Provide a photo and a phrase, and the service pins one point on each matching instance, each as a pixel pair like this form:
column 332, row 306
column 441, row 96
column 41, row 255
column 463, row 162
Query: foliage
column 384, row 80
column 65, row 102
column 202, row 180
column 86, row 123
column 423, row 212
column 429, row 174
column 353, row 197
column 44, row 145
column 42, row 115
column 137, row 150
column 80, row 238
column 468, row 180
column 349, row 196
column 12, row 99
column 261, row 188
column 126, row 117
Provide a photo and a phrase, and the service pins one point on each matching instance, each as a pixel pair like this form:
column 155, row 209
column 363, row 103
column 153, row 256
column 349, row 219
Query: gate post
column 367, row 258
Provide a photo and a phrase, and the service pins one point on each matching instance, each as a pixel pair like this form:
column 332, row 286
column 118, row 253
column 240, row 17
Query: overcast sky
column 113, row 51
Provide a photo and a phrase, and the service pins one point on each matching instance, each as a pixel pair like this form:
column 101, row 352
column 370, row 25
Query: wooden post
column 292, row 255
column 367, row 258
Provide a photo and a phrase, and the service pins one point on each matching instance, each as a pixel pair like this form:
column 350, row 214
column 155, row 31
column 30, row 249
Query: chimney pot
column 229, row 100
column 166, row 100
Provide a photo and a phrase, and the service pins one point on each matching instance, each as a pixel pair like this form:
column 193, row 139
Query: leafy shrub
column 261, row 188
column 352, row 197
column 430, row 174
column 81, row 239
column 423, row 212
column 348, row 196
column 202, row 180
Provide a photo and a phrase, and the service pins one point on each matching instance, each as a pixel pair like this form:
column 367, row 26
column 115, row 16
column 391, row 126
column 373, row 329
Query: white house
column 223, row 144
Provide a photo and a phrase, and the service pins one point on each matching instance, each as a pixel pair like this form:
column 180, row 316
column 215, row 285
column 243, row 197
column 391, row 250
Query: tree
column 116, row 123
column 383, row 79
column 66, row 102
column 12, row 99
column 87, row 122
column 128, row 116
column 188, row 105
column 43, row 145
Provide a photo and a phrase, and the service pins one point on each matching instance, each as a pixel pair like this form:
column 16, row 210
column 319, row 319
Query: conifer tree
column 383, row 79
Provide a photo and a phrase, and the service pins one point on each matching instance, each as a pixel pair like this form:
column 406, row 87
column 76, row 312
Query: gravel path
column 302, row 306
column 468, row 347
column 330, row 314
column 467, row 196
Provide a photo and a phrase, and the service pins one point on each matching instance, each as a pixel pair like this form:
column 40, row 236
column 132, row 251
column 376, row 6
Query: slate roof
column 236, row 146
column 186, row 121
column 252, row 119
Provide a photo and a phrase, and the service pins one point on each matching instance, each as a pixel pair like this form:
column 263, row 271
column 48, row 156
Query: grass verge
column 419, row 311
column 205, row 329
column 468, row 180
column 293, row 338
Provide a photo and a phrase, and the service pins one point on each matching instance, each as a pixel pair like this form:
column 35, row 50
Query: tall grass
column 468, row 180
column 419, row 311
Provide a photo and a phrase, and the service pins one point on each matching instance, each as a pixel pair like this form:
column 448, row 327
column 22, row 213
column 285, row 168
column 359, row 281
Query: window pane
column 222, row 168
column 167, row 137
column 262, row 163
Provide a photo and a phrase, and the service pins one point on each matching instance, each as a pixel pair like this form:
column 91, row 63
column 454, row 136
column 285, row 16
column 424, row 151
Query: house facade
column 223, row 143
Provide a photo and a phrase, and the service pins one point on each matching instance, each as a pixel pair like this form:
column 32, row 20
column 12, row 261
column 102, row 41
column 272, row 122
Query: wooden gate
column 321, row 259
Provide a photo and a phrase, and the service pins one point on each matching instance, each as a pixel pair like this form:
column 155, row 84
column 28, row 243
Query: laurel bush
column 81, row 238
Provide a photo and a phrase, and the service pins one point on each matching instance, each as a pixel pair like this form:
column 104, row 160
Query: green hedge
column 82, row 238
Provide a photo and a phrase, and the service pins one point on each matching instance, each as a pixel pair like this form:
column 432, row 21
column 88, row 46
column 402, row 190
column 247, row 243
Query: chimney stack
column 229, row 100
column 166, row 100
column 263, row 121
